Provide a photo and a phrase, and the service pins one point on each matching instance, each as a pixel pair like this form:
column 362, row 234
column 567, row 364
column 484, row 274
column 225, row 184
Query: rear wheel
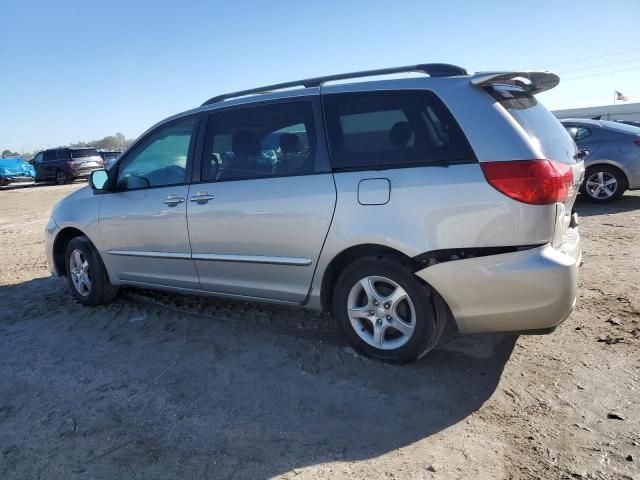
column 88, row 279
column 61, row 178
column 385, row 311
column 603, row 184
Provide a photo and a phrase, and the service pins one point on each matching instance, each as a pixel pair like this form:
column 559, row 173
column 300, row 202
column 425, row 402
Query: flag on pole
column 620, row 96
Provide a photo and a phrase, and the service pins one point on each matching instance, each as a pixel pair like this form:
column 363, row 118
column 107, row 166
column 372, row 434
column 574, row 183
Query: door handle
column 172, row 200
column 202, row 197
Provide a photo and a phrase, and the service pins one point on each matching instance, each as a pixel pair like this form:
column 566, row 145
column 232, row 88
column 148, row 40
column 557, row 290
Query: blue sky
column 79, row 70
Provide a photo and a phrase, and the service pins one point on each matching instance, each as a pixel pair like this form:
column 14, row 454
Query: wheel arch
column 347, row 256
column 60, row 246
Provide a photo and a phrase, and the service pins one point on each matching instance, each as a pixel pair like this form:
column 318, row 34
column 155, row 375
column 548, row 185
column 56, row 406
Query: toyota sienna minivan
column 395, row 204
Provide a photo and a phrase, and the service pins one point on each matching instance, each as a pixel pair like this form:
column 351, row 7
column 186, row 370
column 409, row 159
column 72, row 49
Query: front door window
column 161, row 160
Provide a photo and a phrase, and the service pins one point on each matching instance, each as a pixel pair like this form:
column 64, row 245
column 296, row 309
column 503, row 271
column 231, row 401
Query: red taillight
column 71, row 164
column 637, row 142
column 538, row 182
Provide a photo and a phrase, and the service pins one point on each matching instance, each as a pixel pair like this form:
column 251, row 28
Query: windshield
column 84, row 152
column 543, row 127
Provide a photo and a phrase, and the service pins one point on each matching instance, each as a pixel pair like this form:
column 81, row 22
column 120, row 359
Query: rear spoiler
column 531, row 82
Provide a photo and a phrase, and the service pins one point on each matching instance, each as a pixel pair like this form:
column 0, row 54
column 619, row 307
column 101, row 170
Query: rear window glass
column 84, row 152
column 622, row 127
column 541, row 125
column 387, row 129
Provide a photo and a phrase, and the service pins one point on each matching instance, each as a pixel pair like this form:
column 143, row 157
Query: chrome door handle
column 172, row 200
column 202, row 197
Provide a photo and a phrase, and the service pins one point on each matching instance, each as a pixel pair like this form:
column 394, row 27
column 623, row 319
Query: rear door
column 262, row 208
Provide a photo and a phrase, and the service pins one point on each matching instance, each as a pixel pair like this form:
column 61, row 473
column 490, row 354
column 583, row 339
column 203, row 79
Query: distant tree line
column 9, row 153
column 111, row 142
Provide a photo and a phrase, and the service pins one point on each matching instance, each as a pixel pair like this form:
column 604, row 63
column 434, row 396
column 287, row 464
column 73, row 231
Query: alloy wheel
column 381, row 312
column 79, row 270
column 601, row 185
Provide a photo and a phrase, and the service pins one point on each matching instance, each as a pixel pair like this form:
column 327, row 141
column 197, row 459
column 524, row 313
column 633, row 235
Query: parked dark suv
column 66, row 164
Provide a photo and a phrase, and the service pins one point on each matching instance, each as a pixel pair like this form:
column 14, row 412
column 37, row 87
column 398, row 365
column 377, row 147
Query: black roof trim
column 431, row 69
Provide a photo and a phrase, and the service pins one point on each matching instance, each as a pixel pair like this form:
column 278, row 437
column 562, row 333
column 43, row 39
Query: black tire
column 101, row 290
column 61, row 177
column 606, row 170
column 428, row 326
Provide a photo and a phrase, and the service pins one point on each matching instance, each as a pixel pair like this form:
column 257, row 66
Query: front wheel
column 88, row 279
column 603, row 184
column 385, row 311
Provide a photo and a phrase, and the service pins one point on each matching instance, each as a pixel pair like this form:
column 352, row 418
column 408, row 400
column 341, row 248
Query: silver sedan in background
column 613, row 162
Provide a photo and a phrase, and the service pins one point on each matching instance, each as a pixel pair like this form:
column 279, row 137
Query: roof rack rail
column 431, row 69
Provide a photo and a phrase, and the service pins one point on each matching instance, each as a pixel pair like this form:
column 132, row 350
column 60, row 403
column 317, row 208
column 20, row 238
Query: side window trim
column 133, row 149
column 322, row 149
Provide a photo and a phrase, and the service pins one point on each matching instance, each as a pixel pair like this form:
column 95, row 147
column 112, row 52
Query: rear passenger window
column 50, row 156
column 261, row 141
column 387, row 129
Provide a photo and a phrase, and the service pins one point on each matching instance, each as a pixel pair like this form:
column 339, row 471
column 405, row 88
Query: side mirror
column 581, row 154
column 99, row 180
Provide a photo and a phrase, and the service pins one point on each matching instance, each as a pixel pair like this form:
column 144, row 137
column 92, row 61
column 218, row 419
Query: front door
column 38, row 165
column 49, row 164
column 260, row 215
column 143, row 223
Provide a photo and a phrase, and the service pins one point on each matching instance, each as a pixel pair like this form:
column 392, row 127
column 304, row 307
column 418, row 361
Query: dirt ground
column 167, row 386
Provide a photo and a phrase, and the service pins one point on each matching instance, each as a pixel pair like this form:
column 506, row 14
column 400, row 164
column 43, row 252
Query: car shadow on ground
column 157, row 388
column 626, row 203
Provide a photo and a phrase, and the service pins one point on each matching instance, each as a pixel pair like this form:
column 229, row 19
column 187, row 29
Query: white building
column 621, row 111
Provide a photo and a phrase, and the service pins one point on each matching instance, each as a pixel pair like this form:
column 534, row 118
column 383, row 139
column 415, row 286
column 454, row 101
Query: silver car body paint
column 611, row 144
column 273, row 239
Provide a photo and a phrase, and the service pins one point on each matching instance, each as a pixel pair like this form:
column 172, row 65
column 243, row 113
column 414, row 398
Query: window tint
column 372, row 129
column 50, row 156
column 84, row 152
column 63, row 154
column 261, row 141
column 539, row 123
column 582, row 133
column 160, row 160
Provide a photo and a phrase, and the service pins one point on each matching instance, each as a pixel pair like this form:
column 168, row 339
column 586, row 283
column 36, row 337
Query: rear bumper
column 528, row 290
column 84, row 173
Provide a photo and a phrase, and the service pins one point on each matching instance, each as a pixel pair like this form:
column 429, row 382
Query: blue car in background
column 16, row 171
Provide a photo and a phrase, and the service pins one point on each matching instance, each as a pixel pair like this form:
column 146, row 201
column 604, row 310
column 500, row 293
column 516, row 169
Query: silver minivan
column 395, row 204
